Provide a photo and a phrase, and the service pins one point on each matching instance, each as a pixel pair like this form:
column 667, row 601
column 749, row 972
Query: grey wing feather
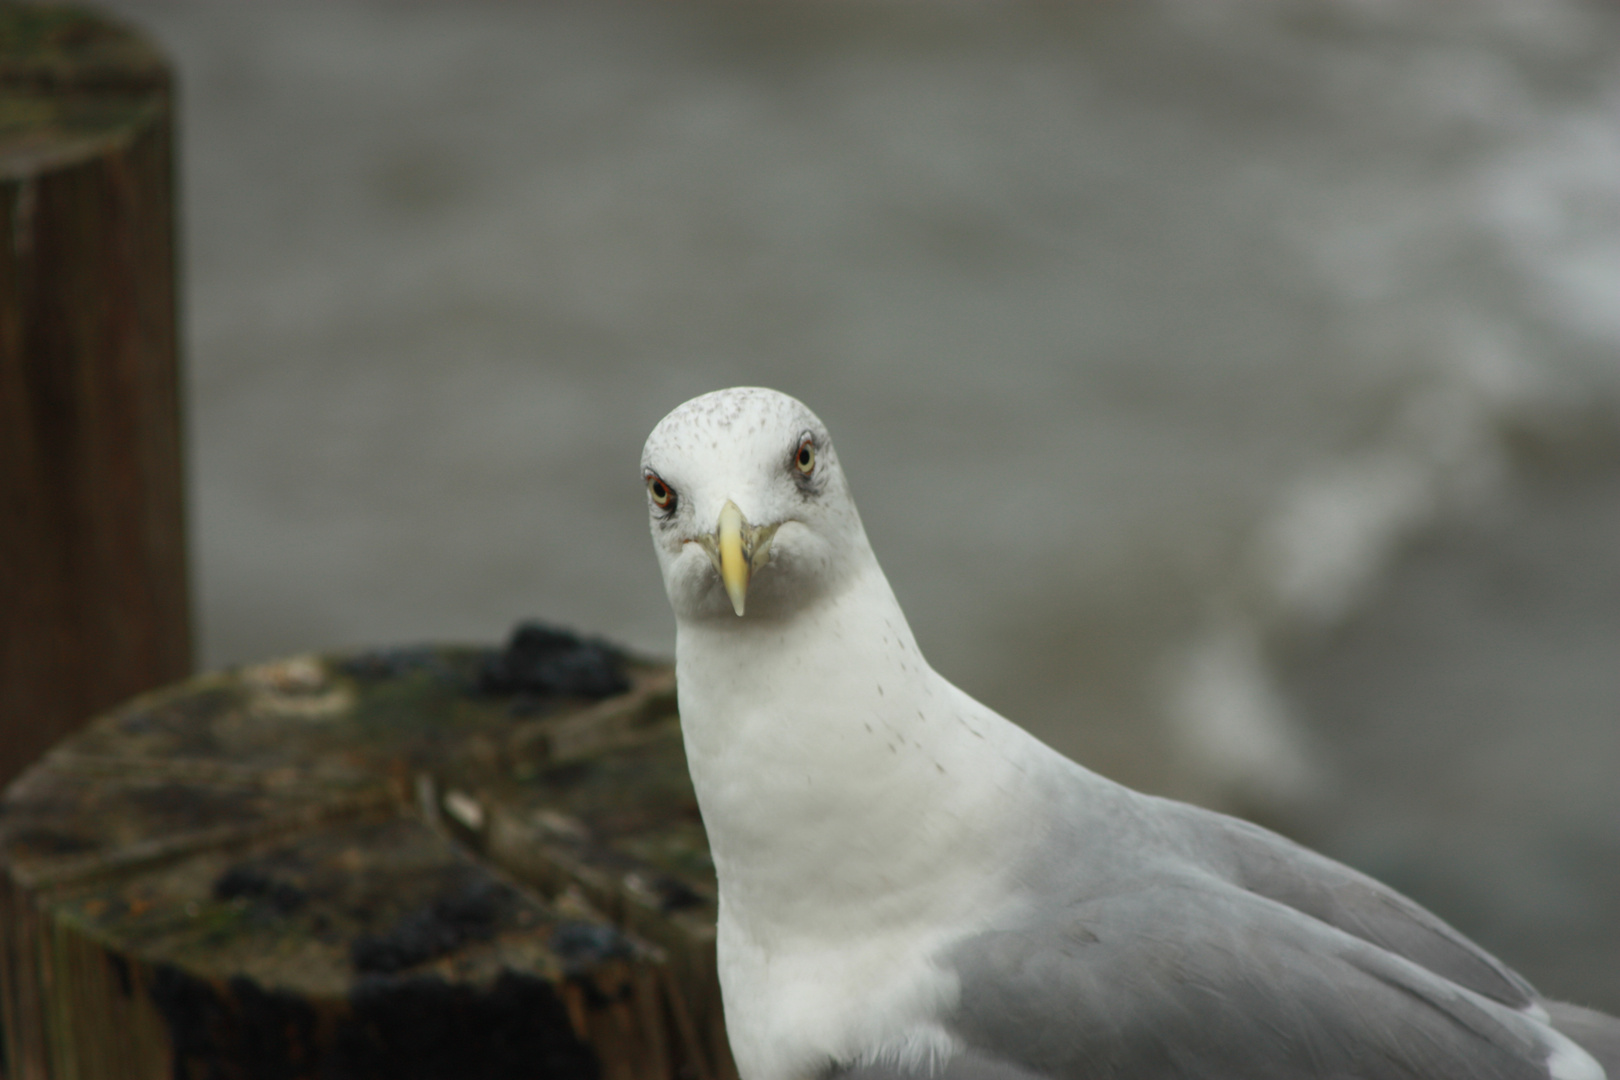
column 1596, row 1033
column 963, row 1066
column 1268, row 865
column 1197, row 979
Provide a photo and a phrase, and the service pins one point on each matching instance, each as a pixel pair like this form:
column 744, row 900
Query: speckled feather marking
column 706, row 418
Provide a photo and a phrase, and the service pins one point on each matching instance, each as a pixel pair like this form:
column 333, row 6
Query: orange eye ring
column 805, row 458
column 662, row 495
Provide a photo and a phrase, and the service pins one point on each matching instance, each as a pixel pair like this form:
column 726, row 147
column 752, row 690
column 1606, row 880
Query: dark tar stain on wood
column 541, row 661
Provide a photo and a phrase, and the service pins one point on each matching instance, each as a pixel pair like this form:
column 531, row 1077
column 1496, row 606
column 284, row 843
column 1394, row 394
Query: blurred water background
column 1230, row 387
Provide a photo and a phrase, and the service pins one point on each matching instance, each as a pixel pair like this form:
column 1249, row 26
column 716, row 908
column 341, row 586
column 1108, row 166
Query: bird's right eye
column 663, row 496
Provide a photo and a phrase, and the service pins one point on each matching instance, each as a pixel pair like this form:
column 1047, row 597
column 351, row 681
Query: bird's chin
column 706, row 602
column 694, row 587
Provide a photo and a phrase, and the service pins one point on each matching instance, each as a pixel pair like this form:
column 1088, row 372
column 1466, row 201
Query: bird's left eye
column 805, row 459
column 663, row 496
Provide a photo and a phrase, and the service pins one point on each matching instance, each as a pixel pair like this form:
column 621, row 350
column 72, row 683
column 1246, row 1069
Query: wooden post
column 402, row 865
column 93, row 594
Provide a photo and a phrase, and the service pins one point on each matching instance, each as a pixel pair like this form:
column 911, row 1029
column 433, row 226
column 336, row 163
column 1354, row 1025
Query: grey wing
column 1268, row 865
column 1187, row 979
column 1596, row 1033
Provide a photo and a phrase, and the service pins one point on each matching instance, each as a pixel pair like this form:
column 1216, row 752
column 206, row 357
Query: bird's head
column 750, row 512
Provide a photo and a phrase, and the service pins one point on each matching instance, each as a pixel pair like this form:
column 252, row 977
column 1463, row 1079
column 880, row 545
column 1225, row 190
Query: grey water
column 1229, row 387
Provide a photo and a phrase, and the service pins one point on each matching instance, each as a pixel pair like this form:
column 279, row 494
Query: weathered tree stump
column 432, row 862
column 93, row 598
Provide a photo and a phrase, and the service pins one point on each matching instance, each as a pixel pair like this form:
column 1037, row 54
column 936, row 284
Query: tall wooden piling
column 93, row 592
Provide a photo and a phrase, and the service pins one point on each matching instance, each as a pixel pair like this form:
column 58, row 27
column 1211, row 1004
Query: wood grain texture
column 94, row 603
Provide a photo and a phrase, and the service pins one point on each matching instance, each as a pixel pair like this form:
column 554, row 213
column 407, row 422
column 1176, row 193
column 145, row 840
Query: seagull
column 911, row 884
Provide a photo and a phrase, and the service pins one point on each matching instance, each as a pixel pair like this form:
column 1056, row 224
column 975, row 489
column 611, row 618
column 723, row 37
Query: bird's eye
column 663, row 496
column 805, row 459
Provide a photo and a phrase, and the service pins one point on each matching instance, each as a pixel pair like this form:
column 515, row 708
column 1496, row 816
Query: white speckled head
column 769, row 455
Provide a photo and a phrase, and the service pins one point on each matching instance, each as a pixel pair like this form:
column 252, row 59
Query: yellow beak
column 735, row 569
column 737, row 549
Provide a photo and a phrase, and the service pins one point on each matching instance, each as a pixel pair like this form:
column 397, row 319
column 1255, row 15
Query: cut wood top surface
column 318, row 824
column 69, row 81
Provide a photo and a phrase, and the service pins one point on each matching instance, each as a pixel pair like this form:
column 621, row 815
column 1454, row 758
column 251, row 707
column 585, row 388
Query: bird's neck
column 836, row 771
